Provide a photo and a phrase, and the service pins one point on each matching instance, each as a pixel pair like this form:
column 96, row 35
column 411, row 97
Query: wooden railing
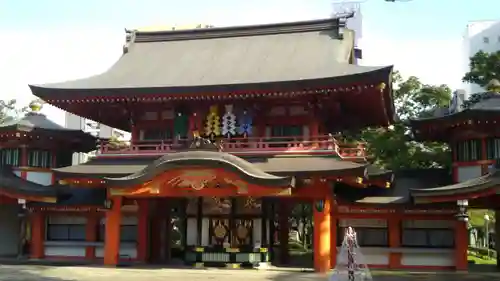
column 242, row 146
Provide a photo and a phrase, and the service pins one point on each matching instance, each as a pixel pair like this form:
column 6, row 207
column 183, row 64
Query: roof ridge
column 235, row 31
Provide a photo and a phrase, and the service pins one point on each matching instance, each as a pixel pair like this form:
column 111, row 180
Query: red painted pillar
column 37, row 235
column 461, row 241
column 394, row 227
column 168, row 230
column 322, row 239
column 142, row 230
column 284, row 230
column 91, row 229
column 333, row 234
column 112, row 237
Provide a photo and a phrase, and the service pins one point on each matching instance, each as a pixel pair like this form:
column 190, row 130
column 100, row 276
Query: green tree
column 484, row 67
column 9, row 110
column 393, row 147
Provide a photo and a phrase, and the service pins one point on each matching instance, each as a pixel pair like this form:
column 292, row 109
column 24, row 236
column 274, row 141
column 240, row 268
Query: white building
column 479, row 36
column 73, row 121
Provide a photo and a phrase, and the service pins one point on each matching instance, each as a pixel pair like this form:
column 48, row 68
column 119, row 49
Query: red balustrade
column 241, row 146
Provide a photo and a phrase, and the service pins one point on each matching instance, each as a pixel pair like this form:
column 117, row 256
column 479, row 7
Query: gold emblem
column 220, row 231
column 242, row 232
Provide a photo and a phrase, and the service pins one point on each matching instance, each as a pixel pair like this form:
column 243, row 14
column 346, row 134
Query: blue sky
column 56, row 40
column 431, row 18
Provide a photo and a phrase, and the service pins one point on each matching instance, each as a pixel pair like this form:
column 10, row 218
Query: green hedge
column 482, row 252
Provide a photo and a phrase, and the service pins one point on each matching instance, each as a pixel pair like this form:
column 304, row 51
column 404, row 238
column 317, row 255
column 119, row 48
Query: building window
column 486, row 40
column 469, row 150
column 66, row 228
column 369, row 232
column 367, row 237
column 128, row 229
column 493, row 148
column 427, row 234
column 10, row 156
column 156, row 134
column 39, row 158
column 286, row 131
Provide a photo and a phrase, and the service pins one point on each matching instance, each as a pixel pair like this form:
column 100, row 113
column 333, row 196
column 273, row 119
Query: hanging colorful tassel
column 212, row 125
column 245, row 127
column 229, row 122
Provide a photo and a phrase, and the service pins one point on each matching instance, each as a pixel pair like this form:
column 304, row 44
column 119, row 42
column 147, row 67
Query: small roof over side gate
column 479, row 116
column 38, row 124
column 474, row 188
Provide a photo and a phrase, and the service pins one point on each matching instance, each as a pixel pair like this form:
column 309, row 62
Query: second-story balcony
column 323, row 145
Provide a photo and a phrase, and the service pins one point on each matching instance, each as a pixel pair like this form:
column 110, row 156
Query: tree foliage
column 393, row 147
column 484, row 67
column 9, row 110
column 114, row 143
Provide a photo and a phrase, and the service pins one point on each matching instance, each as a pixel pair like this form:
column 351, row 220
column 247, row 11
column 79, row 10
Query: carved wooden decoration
column 242, row 234
column 219, row 231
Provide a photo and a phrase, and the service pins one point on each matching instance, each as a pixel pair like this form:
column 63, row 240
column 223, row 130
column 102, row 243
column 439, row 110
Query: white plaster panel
column 468, row 172
column 257, row 232
column 369, row 255
column 428, row 259
column 17, row 173
column 192, row 232
column 43, row 178
column 9, row 228
column 205, row 235
column 65, row 251
column 305, row 132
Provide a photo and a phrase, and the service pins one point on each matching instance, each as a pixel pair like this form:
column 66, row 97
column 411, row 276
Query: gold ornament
column 220, row 231
column 381, row 86
column 242, row 232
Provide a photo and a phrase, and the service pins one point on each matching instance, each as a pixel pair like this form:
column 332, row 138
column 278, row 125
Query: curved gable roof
column 225, row 59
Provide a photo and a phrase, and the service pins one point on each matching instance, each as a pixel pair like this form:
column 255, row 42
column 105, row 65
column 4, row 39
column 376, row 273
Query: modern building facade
column 479, row 36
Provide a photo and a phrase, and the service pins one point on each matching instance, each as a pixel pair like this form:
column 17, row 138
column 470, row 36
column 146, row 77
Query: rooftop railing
column 241, row 146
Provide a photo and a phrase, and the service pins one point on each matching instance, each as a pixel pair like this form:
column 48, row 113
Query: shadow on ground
column 397, row 276
column 19, row 273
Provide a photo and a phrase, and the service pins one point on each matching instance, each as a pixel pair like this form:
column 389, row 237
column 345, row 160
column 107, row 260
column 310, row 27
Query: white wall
column 355, row 23
column 475, row 40
column 468, row 172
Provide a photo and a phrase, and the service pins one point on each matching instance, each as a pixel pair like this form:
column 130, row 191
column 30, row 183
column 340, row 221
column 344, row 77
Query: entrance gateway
column 215, row 205
column 271, row 99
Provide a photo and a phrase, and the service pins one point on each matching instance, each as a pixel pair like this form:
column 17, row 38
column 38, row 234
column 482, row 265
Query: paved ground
column 49, row 273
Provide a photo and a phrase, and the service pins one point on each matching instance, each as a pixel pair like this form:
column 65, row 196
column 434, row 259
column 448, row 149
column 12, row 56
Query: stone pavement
column 73, row 273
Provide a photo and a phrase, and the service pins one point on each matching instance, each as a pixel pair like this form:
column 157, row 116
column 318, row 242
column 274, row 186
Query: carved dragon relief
column 193, row 179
